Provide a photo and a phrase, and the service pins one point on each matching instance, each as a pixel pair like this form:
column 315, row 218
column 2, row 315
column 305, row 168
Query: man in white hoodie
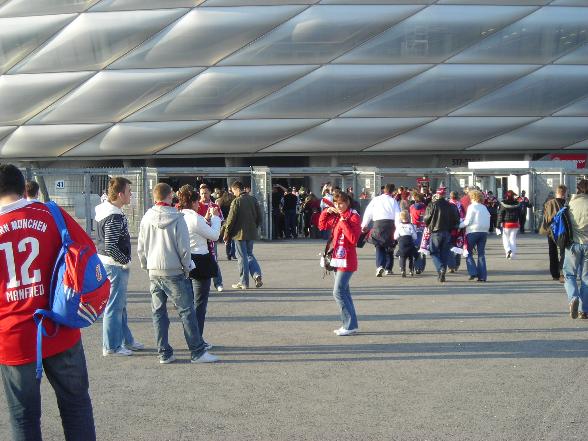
column 114, row 250
column 164, row 251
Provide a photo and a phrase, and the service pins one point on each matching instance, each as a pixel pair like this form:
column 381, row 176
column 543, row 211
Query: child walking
column 406, row 235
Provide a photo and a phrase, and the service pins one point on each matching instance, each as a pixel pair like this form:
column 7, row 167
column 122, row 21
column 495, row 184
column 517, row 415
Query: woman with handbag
column 345, row 224
column 203, row 230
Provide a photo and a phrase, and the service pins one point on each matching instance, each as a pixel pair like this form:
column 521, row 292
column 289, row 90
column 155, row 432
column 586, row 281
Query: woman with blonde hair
column 476, row 223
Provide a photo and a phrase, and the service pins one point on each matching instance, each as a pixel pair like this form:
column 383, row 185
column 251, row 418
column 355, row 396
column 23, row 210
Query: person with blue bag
column 30, row 244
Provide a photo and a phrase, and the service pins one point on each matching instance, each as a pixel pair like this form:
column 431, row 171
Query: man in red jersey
column 29, row 244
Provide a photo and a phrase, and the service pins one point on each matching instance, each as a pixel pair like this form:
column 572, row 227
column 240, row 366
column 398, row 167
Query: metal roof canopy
column 501, row 168
column 213, row 172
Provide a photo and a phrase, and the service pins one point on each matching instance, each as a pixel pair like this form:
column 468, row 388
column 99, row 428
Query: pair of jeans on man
column 384, row 257
column 248, row 264
column 556, row 258
column 291, row 223
column 342, row 295
column 68, row 376
column 477, row 242
column 115, row 328
column 179, row 290
column 421, row 260
column 439, row 247
column 576, row 263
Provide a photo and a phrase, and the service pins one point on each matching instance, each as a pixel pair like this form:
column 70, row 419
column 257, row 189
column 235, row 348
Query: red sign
column 422, row 180
column 578, row 157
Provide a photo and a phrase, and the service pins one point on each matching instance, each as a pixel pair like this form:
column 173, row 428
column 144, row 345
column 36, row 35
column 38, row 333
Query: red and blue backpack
column 79, row 287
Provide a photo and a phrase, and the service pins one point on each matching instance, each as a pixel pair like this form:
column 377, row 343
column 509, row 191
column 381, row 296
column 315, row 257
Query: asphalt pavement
column 462, row 360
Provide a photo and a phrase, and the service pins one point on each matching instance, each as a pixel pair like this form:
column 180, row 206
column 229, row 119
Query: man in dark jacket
column 550, row 209
column 114, row 250
column 441, row 217
column 242, row 223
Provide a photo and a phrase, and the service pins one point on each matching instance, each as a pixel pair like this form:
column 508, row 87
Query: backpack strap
column 60, row 222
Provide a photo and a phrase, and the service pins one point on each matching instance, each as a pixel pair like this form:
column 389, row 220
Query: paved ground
column 458, row 361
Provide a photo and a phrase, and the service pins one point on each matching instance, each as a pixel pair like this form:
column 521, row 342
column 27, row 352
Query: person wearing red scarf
column 346, row 228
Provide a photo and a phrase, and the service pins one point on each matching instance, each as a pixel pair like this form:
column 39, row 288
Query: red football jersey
column 29, row 244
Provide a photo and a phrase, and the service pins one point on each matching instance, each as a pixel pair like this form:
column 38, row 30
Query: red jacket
column 29, row 243
column 346, row 231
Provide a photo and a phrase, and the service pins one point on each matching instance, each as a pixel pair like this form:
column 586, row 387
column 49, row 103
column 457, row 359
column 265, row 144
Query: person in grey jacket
column 164, row 251
column 576, row 258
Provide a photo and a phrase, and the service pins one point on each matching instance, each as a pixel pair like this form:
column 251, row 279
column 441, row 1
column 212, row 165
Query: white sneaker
column 220, row 288
column 167, row 360
column 336, row 331
column 136, row 346
column 344, row 332
column 379, row 271
column 238, row 286
column 121, row 352
column 258, row 282
column 207, row 357
column 208, row 346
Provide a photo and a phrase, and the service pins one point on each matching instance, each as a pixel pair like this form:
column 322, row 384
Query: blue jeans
column 179, row 290
column 218, row 280
column 290, row 221
column 421, row 260
column 384, row 258
column 68, row 376
column 342, row 295
column 230, row 248
column 247, row 261
column 477, row 242
column 115, row 329
column 439, row 248
column 201, row 291
column 453, row 260
column 576, row 263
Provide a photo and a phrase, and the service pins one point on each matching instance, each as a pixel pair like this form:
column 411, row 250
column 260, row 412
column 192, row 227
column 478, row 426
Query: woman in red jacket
column 346, row 226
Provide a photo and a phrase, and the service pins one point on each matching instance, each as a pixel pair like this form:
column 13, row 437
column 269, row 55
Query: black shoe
column 418, row 271
column 403, row 274
column 442, row 276
column 472, row 278
column 412, row 274
column 481, row 280
column 509, row 254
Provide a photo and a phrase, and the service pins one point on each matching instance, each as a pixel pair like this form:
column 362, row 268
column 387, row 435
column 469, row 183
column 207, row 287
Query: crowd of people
column 177, row 247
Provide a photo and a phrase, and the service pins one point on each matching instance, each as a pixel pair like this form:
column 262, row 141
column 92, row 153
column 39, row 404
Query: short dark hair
column 341, row 197
column 161, row 191
column 187, row 195
column 204, row 186
column 12, row 180
column 561, row 189
column 583, row 186
column 389, row 188
column 238, row 185
column 31, row 189
column 117, row 185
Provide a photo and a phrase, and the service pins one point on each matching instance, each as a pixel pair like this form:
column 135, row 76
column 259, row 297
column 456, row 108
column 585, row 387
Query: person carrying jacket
column 345, row 224
column 576, row 260
column 417, row 214
column 556, row 255
column 164, row 251
column 508, row 219
column 441, row 217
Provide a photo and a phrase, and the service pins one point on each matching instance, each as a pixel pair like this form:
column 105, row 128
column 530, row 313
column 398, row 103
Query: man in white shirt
column 383, row 211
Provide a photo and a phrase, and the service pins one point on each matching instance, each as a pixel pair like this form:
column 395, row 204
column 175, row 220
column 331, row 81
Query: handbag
column 326, row 257
column 206, row 266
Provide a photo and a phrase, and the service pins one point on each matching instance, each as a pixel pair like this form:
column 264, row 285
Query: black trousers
column 556, row 258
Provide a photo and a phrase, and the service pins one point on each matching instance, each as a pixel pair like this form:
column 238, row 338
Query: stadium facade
column 298, row 82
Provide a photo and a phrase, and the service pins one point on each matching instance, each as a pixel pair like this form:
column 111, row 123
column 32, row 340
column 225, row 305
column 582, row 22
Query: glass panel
column 570, row 2
column 195, row 40
column 451, row 134
column 539, row 38
column 538, row 94
column 93, row 41
column 493, row 2
column 21, row 36
column 346, row 134
column 330, row 91
column 257, row 2
column 23, row 96
column 46, row 141
column 579, row 108
column 579, row 145
column 548, row 133
column 240, row 136
column 5, row 131
column 131, row 5
column 138, row 138
column 16, row 8
column 377, row 2
column 114, row 95
column 434, row 34
column 219, row 92
column 440, row 90
column 320, row 34
column 579, row 56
